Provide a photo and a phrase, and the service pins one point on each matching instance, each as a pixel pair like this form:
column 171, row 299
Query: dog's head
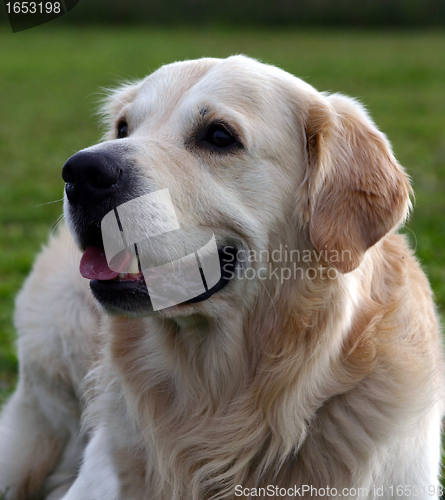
column 250, row 156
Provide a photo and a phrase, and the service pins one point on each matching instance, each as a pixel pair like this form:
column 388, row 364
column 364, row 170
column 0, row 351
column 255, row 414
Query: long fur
column 329, row 379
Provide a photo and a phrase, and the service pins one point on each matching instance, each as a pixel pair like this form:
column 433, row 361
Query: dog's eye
column 122, row 130
column 220, row 137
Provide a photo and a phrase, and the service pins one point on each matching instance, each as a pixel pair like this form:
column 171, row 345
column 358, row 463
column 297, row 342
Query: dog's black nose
column 91, row 177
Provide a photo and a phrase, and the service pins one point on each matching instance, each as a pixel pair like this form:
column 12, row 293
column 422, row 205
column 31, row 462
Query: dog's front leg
column 29, row 445
column 97, row 479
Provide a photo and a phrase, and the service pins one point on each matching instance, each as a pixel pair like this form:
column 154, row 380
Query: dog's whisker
column 49, row 202
column 56, row 224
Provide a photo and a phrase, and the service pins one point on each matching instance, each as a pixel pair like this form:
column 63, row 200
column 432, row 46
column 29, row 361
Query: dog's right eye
column 122, row 129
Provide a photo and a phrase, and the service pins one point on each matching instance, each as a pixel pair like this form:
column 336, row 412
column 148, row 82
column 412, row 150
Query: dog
column 310, row 366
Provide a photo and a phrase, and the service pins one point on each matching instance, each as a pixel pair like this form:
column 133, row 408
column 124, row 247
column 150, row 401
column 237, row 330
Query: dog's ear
column 357, row 190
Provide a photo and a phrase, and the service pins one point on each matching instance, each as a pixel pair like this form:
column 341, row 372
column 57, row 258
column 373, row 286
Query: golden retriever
column 311, row 368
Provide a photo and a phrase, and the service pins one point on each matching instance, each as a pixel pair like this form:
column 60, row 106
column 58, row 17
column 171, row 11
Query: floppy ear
column 358, row 191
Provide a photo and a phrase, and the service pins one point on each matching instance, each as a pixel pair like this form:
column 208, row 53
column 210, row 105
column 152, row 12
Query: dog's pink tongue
column 94, row 266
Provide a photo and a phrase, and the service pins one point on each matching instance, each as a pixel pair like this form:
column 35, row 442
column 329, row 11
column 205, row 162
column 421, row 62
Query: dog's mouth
column 124, row 288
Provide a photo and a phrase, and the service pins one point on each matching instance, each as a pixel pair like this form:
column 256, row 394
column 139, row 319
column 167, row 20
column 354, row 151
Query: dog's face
column 249, row 154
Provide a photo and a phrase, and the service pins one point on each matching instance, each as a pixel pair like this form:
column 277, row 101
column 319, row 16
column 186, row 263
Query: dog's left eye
column 220, row 137
column 122, row 130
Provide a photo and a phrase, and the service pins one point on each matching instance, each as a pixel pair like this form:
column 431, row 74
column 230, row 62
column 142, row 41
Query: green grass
column 49, row 84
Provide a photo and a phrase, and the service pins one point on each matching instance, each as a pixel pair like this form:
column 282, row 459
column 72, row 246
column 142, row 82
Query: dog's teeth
column 133, row 268
column 121, row 275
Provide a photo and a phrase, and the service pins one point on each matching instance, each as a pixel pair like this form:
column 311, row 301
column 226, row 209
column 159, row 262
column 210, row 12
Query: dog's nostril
column 101, row 178
column 68, row 174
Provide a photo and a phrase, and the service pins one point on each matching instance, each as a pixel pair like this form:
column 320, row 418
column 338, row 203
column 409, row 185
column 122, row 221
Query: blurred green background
column 389, row 54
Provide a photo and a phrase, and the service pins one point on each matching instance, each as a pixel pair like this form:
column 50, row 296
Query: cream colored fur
column 334, row 381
